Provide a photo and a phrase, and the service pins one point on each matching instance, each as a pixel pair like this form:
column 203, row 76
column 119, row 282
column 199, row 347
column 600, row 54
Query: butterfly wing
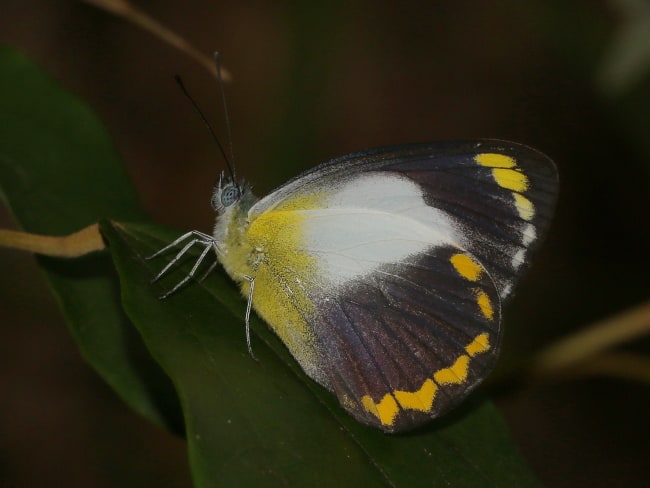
column 384, row 271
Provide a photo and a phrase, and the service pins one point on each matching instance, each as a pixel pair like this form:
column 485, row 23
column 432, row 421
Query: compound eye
column 229, row 195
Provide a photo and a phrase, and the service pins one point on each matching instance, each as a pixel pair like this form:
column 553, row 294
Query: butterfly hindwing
column 392, row 346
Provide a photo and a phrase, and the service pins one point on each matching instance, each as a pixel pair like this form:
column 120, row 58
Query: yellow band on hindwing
column 422, row 399
column 471, row 270
column 481, row 343
column 385, row 410
column 485, row 304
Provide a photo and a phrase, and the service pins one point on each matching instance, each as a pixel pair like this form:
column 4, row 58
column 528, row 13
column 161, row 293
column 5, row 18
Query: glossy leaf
column 59, row 173
column 235, row 406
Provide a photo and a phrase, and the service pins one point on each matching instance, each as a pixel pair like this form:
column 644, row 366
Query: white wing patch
column 373, row 219
column 528, row 234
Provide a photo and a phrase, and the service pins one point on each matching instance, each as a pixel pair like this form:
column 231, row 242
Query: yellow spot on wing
column 493, row 160
column 510, row 179
column 485, row 304
column 525, row 207
column 481, row 343
column 421, row 399
column 466, row 266
column 385, row 410
column 455, row 374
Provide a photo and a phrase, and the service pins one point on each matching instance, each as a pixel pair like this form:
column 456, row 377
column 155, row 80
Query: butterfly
column 385, row 272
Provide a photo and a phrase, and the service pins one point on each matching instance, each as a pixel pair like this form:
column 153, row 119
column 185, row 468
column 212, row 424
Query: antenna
column 209, row 127
column 217, row 64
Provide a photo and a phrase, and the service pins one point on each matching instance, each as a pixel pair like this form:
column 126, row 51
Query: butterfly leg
column 214, row 264
column 249, row 304
column 201, row 238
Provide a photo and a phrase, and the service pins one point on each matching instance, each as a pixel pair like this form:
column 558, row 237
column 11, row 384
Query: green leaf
column 248, row 423
column 59, row 173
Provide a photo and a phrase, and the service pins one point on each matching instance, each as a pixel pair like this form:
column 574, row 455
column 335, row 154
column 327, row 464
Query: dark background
column 317, row 79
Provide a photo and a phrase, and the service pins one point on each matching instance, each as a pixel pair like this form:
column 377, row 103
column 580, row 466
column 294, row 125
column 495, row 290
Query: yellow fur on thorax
column 271, row 250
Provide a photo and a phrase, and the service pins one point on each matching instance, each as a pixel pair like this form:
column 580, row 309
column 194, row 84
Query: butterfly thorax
column 268, row 248
column 234, row 250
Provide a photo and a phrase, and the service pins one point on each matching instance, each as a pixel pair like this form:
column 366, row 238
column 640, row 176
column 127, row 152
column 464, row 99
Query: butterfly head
column 228, row 194
column 231, row 200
